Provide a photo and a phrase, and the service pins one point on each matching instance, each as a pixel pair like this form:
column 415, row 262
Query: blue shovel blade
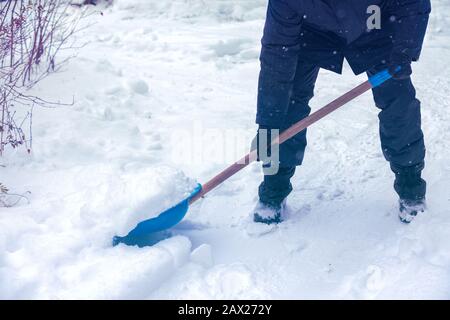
column 151, row 231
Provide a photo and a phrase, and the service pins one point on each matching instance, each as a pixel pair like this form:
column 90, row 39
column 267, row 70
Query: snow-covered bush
column 32, row 34
column 3, row 192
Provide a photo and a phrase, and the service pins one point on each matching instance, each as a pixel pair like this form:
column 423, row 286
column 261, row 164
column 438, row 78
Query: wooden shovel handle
column 285, row 135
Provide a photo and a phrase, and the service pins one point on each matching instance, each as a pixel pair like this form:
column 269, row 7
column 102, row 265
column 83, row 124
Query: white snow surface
column 152, row 73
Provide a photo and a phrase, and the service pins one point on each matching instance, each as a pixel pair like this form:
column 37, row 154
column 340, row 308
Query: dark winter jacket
column 324, row 32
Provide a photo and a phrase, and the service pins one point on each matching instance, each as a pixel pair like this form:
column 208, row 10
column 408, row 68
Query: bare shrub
column 32, row 35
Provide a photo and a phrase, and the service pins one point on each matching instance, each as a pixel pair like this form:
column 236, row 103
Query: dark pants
column 401, row 136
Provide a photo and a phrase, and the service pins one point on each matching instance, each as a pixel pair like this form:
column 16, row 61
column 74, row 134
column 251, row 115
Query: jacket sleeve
column 279, row 55
column 410, row 18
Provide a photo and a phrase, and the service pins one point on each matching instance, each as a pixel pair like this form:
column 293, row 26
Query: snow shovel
column 152, row 230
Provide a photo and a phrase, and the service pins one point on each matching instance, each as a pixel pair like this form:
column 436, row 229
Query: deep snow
column 155, row 90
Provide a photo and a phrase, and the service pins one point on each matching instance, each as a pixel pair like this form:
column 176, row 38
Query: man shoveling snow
column 300, row 37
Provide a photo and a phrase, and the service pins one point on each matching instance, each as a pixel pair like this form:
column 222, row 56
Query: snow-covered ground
column 157, row 79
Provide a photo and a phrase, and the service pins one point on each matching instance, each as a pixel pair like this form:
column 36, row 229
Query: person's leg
column 292, row 151
column 275, row 188
column 401, row 136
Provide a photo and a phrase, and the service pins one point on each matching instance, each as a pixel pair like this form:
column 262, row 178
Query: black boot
column 269, row 214
column 411, row 189
column 272, row 194
column 409, row 209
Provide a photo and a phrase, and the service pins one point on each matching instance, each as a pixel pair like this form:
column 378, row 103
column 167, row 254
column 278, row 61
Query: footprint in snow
column 256, row 230
column 295, row 246
column 375, row 280
column 291, row 214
